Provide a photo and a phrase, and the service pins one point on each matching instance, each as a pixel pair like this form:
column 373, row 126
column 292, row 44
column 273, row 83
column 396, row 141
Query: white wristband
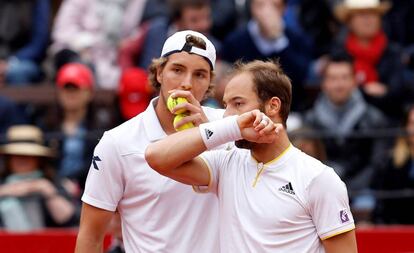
column 219, row 132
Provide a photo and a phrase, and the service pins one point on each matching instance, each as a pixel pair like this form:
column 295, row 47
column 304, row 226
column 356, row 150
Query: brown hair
column 270, row 81
column 159, row 63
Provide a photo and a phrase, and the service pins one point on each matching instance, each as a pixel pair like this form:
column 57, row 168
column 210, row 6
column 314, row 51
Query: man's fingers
column 263, row 121
column 185, row 94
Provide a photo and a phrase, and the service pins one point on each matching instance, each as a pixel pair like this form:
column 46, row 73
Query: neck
column 72, row 119
column 165, row 117
column 364, row 41
column 267, row 152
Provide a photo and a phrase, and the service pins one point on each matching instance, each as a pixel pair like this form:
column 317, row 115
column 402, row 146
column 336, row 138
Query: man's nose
column 186, row 84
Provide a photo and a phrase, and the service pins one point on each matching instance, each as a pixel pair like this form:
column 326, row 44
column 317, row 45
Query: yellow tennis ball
column 177, row 118
column 173, row 102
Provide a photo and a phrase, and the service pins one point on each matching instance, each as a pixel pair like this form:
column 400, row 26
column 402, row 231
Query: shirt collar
column 151, row 122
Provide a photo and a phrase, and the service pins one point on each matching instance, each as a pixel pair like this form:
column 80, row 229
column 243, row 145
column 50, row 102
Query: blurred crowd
column 351, row 63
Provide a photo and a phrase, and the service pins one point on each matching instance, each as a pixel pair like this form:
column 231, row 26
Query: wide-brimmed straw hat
column 25, row 140
column 347, row 7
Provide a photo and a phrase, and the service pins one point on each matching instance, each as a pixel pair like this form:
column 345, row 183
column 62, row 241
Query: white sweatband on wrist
column 219, row 132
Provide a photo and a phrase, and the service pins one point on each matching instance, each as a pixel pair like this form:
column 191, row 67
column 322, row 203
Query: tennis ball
column 179, row 117
column 173, row 102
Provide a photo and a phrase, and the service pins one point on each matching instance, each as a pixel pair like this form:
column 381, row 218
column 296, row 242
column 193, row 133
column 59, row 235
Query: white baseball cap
column 178, row 43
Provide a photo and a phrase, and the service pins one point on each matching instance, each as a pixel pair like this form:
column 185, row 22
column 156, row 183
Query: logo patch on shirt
column 287, row 188
column 209, row 133
column 344, row 216
column 94, row 160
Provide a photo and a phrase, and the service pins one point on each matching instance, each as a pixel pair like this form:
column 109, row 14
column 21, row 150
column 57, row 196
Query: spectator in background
column 74, row 120
column 91, row 32
column 377, row 61
column 341, row 110
column 313, row 21
column 303, row 138
column 224, row 15
column 30, row 196
column 24, row 35
column 134, row 93
column 266, row 37
column 184, row 15
column 10, row 114
column 397, row 175
column 221, row 77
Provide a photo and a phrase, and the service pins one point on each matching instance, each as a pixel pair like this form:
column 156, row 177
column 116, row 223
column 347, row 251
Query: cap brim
column 342, row 12
column 26, row 149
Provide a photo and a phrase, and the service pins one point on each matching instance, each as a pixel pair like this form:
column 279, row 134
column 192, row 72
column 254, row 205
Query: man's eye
column 200, row 75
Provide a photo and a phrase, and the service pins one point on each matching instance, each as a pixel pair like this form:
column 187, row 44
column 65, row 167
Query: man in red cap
column 75, row 74
column 73, row 119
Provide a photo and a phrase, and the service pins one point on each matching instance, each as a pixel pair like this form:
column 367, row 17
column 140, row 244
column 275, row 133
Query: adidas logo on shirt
column 287, row 188
column 209, row 133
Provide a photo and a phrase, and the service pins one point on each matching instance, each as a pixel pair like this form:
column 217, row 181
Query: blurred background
column 71, row 69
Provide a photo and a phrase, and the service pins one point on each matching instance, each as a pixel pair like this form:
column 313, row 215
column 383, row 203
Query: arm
column 93, row 226
column 173, row 158
column 60, row 209
column 343, row 243
column 36, row 47
column 331, row 213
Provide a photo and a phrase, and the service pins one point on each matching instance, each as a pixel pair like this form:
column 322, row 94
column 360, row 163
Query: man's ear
column 159, row 74
column 273, row 107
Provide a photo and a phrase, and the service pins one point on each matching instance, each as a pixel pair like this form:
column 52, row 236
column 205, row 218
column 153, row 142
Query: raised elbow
column 154, row 160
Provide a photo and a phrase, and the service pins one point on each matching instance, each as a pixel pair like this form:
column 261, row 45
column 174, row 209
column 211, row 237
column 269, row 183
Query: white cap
column 177, row 43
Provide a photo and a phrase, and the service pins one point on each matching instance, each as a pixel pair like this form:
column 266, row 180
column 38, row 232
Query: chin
column 244, row 144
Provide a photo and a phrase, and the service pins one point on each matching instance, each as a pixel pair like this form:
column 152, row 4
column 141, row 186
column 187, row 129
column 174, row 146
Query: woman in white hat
column 377, row 61
column 30, row 197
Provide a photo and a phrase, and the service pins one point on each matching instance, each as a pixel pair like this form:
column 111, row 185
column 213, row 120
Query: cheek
column 200, row 88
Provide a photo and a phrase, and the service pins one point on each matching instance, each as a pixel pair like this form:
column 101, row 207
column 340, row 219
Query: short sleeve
column 105, row 184
column 214, row 161
column 329, row 205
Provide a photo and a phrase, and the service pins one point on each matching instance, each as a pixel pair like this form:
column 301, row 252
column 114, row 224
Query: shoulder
column 213, row 113
column 232, row 156
column 374, row 117
column 306, row 167
column 128, row 137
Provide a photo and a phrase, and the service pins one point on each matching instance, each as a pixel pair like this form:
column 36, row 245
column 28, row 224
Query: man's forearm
column 85, row 245
column 176, row 149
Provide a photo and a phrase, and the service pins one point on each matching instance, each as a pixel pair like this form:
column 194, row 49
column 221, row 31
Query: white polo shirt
column 287, row 205
column 158, row 214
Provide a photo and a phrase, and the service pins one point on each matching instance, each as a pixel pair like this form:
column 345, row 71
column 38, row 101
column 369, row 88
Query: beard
column 248, row 144
column 244, row 144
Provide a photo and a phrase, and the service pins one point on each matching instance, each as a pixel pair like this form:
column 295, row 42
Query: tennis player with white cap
column 157, row 213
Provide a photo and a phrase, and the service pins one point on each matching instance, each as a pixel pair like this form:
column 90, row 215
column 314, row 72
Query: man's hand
column 375, row 89
column 27, row 187
column 193, row 108
column 255, row 126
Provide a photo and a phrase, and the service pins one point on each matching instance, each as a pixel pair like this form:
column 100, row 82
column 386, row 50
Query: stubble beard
column 248, row 144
